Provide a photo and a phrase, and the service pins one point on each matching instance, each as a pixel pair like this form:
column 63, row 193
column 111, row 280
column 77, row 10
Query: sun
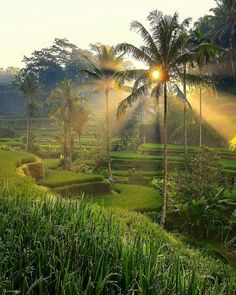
column 155, row 75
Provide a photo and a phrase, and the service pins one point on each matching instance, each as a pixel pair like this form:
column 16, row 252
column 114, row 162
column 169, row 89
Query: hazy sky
column 26, row 25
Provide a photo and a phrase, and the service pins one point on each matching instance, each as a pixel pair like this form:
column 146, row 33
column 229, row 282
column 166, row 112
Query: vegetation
column 136, row 205
column 58, row 230
column 130, row 197
column 102, row 69
column 56, row 178
column 29, row 86
column 69, row 106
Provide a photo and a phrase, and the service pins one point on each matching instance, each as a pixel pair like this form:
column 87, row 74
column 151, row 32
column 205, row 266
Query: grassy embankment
column 51, row 245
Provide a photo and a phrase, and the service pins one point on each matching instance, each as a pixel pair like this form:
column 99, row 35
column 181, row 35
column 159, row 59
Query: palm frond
column 179, row 94
column 137, row 53
column 133, row 97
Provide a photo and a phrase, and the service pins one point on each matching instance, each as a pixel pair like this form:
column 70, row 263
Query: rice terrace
column 118, row 147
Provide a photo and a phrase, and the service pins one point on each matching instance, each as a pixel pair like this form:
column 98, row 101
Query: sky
column 28, row 25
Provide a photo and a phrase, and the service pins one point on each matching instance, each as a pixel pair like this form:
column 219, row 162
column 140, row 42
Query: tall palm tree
column 162, row 52
column 67, row 100
column 223, row 27
column 205, row 50
column 29, row 86
column 102, row 70
column 201, row 49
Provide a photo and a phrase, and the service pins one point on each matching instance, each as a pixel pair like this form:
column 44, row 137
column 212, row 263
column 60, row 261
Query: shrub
column 198, row 196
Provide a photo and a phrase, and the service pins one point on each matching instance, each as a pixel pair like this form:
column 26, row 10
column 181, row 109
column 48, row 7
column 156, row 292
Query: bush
column 198, row 196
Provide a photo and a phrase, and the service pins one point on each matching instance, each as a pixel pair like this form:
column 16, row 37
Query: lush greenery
column 114, row 251
column 120, row 193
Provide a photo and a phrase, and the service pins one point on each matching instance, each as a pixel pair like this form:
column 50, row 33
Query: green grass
column 55, row 246
column 172, row 147
column 58, row 178
column 131, row 197
column 51, row 163
column 157, row 146
column 229, row 164
column 51, row 245
column 125, row 173
column 136, row 156
column 10, row 160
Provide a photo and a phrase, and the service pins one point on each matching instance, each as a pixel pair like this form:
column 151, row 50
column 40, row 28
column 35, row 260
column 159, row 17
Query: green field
column 131, row 197
column 56, row 243
column 56, row 178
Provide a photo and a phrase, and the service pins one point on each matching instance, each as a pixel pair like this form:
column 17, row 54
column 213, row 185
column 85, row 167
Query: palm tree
column 102, row 70
column 67, row 99
column 29, row 86
column 79, row 122
column 223, row 27
column 162, row 52
column 204, row 50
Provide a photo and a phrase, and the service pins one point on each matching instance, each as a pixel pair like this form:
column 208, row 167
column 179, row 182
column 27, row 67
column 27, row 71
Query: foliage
column 101, row 72
column 125, row 143
column 29, row 87
column 68, row 104
column 198, row 195
column 115, row 253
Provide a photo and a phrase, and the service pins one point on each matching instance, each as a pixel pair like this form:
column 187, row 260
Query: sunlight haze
column 30, row 25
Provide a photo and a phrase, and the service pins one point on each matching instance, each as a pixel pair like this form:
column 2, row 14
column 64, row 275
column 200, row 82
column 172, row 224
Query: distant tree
column 102, row 69
column 204, row 50
column 223, row 27
column 66, row 100
column 29, row 86
column 49, row 64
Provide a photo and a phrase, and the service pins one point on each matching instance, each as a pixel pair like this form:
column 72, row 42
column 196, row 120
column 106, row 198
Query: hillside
column 51, row 245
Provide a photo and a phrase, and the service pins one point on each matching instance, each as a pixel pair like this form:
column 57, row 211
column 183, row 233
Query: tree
column 102, row 70
column 162, row 52
column 29, row 86
column 50, row 64
column 67, row 99
column 204, row 50
column 223, row 27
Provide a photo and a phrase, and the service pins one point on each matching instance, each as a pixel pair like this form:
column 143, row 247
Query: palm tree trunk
column 27, row 133
column 200, row 114
column 65, row 145
column 108, row 134
column 165, row 196
column 185, row 116
column 27, row 126
column 80, row 147
column 70, row 145
column 231, row 59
